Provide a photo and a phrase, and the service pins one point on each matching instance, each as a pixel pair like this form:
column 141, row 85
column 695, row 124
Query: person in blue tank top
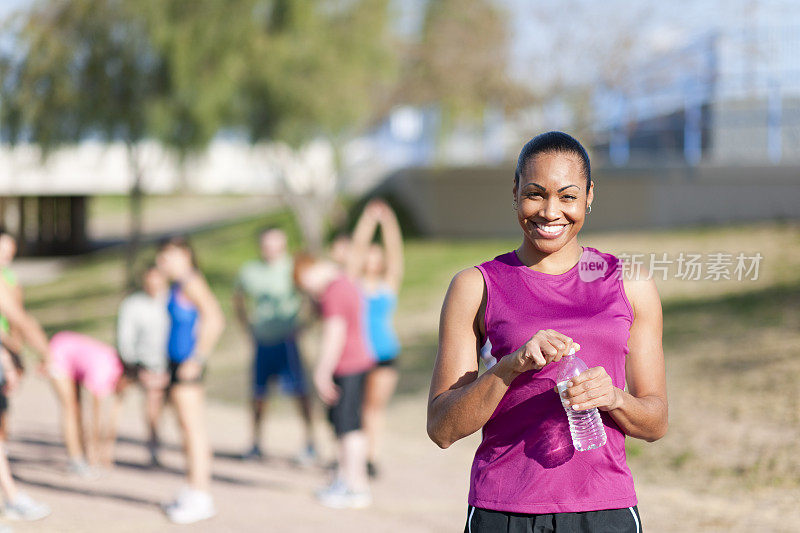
column 379, row 271
column 196, row 323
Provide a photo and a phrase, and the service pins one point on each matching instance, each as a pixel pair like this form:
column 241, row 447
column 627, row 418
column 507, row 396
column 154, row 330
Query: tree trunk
column 310, row 213
column 135, row 211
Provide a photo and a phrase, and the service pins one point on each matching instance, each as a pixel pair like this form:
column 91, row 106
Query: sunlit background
column 123, row 121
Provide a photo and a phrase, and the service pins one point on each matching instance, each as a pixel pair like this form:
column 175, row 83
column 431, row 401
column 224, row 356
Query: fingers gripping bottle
column 586, row 427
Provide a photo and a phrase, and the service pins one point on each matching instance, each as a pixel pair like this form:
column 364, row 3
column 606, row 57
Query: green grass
column 86, row 297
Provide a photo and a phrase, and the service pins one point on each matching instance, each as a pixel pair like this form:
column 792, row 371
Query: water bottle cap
column 571, row 351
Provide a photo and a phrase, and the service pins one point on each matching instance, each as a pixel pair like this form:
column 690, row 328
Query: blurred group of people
column 168, row 328
column 354, row 292
column 165, row 332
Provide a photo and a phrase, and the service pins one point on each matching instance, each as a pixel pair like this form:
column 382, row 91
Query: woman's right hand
column 546, row 346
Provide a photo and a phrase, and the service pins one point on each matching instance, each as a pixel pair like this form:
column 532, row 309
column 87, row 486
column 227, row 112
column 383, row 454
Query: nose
column 550, row 210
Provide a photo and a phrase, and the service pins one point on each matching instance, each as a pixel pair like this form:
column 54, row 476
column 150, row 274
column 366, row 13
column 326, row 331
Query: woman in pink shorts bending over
column 75, row 360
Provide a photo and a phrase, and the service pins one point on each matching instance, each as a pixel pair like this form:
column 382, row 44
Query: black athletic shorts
column 175, row 380
column 345, row 415
column 625, row 520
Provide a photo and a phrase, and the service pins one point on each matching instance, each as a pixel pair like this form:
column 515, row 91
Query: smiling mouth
column 550, row 230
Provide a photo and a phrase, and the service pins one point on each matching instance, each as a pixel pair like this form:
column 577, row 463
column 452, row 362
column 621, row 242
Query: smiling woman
column 533, row 305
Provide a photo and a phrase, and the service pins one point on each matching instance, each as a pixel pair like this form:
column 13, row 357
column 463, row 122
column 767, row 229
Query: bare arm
column 14, row 340
column 240, row 308
column 212, row 321
column 362, row 236
column 460, row 402
column 30, row 329
column 126, row 332
column 641, row 411
column 393, row 243
column 334, row 331
column 10, row 373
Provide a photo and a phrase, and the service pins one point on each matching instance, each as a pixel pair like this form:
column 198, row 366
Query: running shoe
column 253, row 455
column 306, row 458
column 152, row 450
column 80, row 468
column 339, row 496
column 180, row 496
column 191, row 506
column 23, row 507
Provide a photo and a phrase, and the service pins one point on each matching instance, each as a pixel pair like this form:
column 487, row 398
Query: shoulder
column 469, row 279
column 612, row 261
column 194, row 285
column 505, row 260
column 467, row 288
column 341, row 286
column 641, row 290
column 133, row 300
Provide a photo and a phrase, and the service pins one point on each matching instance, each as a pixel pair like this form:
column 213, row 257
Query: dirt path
column 423, row 489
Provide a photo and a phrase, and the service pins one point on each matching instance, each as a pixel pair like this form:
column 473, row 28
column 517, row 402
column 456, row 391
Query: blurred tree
column 179, row 71
column 79, row 69
column 461, row 62
column 316, row 70
column 117, row 70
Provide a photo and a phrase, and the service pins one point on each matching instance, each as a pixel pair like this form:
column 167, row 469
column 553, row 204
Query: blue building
column 729, row 96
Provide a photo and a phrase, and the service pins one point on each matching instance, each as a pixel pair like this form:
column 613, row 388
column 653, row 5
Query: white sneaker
column 307, row 457
column 81, row 468
column 339, row 496
column 23, row 507
column 190, row 507
column 180, row 496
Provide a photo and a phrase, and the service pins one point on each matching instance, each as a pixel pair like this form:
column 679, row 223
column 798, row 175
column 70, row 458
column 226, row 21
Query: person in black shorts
column 379, row 271
column 339, row 376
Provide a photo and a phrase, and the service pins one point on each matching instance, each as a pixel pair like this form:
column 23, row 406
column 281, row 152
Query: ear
column 514, row 190
column 590, row 195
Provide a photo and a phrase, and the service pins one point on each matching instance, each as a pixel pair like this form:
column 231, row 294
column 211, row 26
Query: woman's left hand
column 326, row 388
column 190, row 370
column 592, row 388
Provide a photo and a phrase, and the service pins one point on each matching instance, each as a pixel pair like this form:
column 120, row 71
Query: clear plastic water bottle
column 586, row 427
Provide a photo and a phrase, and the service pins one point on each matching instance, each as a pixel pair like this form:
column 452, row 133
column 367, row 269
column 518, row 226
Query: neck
column 556, row 262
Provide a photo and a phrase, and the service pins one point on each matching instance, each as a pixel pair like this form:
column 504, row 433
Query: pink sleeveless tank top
column 526, row 462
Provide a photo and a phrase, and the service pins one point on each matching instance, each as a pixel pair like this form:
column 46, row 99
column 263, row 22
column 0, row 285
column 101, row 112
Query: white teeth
column 551, row 229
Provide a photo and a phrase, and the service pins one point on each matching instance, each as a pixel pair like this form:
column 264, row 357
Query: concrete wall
column 476, row 202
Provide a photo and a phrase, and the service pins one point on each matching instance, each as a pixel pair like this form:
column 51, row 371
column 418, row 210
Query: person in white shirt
column 142, row 332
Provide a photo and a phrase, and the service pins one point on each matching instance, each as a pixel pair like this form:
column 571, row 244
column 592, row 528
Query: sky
column 8, row 6
column 570, row 42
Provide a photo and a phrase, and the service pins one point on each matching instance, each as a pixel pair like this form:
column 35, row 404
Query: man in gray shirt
column 142, row 333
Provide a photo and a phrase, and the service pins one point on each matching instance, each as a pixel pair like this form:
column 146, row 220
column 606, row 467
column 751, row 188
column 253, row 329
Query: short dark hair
column 553, row 142
column 178, row 241
column 266, row 229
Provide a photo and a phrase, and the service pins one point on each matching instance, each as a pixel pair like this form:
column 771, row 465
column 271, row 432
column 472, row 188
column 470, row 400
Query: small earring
column 514, row 205
column 588, row 209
